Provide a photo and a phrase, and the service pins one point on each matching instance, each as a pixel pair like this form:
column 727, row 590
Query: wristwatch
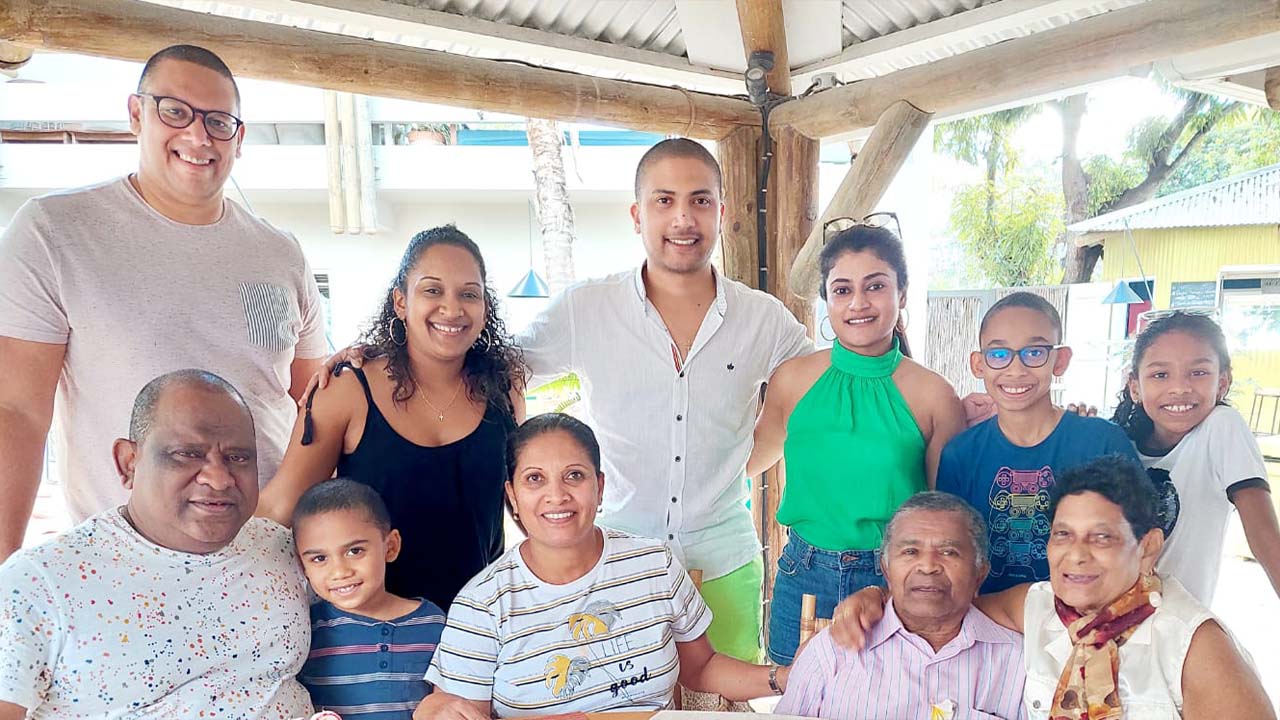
column 773, row 680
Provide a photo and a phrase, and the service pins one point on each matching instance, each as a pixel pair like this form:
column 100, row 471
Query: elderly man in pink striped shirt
column 934, row 656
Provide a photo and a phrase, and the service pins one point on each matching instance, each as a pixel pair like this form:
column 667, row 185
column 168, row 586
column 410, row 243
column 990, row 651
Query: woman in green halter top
column 861, row 428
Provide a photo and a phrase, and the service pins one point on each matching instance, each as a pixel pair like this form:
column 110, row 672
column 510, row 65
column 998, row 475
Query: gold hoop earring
column 487, row 336
column 391, row 330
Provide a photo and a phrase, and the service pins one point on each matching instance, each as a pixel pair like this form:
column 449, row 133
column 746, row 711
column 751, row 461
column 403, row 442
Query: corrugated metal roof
column 655, row 26
column 1252, row 198
column 869, row 19
column 878, row 20
column 650, row 25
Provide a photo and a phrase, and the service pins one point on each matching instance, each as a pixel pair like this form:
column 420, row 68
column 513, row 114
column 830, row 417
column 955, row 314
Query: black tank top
column 446, row 501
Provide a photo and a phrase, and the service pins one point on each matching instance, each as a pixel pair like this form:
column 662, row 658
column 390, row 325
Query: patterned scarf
column 1088, row 687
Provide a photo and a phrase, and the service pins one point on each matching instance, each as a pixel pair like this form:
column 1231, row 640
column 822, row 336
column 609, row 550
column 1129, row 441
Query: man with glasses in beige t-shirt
column 105, row 287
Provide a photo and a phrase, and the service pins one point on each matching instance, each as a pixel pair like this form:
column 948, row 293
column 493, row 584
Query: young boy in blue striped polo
column 369, row 649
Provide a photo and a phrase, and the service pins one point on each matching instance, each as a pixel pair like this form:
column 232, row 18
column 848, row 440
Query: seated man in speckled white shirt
column 179, row 604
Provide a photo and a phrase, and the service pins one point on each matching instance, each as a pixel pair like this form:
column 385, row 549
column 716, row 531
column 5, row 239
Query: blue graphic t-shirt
column 1009, row 485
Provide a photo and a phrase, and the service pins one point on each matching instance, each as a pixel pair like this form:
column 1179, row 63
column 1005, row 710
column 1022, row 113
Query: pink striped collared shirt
column 898, row 676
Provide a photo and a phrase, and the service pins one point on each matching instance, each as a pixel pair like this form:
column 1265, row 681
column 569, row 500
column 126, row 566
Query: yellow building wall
column 1199, row 254
column 1188, row 254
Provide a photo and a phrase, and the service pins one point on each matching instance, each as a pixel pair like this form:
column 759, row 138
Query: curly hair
column 491, row 365
column 1129, row 413
column 1118, row 479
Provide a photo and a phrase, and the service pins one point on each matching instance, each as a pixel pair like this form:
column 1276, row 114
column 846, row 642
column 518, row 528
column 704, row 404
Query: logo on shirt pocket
column 270, row 317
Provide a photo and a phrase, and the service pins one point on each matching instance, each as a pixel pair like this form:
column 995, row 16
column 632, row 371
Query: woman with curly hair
column 424, row 422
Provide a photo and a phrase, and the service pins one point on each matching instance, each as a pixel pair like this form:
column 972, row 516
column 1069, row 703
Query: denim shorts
column 830, row 575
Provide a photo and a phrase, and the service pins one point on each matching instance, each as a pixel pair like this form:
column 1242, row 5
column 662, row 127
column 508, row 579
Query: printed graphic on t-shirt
column 1019, row 520
column 1168, row 506
column 597, row 650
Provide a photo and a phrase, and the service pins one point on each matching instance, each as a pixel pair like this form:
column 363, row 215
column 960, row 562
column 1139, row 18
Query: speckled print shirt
column 101, row 623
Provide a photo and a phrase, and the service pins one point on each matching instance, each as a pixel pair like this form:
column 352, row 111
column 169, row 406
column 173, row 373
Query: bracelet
column 773, row 680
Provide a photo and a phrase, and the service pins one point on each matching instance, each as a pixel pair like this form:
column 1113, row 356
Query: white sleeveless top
column 1150, row 661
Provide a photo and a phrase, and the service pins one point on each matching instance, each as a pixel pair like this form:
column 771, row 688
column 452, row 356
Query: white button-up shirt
column 674, row 440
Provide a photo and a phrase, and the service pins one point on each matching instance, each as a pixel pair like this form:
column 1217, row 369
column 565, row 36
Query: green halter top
column 853, row 453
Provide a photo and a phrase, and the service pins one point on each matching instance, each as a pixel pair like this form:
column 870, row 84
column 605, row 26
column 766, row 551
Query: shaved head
column 677, row 148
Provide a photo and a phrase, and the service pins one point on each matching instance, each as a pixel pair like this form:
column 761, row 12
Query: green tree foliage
column 1007, row 231
column 1238, row 147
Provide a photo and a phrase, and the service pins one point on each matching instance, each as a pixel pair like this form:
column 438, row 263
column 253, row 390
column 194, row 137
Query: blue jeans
column 830, row 575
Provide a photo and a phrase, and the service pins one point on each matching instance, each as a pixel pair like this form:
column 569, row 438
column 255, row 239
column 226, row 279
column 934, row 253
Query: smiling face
column 183, row 167
column 864, row 301
column 931, row 568
column 1093, row 554
column 443, row 308
column 556, row 488
column 1178, row 381
column 677, row 214
column 345, row 556
column 193, row 479
column 1018, row 387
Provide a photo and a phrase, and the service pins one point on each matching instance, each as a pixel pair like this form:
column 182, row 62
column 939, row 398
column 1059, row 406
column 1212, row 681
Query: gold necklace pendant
column 440, row 416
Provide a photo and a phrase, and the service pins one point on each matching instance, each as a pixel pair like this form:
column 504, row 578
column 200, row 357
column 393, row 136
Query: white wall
column 360, row 267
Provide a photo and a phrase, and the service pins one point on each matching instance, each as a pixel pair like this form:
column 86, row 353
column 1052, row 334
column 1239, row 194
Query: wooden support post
column 333, row 161
column 793, row 208
column 130, row 30
column 1042, row 64
column 350, row 164
column 884, row 153
column 1271, row 85
column 763, row 29
column 739, row 157
column 364, row 161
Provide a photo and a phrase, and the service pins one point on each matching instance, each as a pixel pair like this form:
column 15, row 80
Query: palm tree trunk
column 555, row 214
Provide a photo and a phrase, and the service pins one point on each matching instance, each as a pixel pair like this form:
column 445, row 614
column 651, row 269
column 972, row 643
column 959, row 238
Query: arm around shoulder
column 1007, row 607
column 329, row 414
column 1217, row 682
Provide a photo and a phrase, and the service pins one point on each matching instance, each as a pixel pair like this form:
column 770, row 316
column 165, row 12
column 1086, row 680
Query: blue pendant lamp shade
column 1121, row 294
column 532, row 286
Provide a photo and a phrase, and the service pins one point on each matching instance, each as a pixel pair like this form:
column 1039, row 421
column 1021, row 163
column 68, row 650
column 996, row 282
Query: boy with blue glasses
column 1005, row 466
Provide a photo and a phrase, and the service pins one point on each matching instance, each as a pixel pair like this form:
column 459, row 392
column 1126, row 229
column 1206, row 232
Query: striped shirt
column 367, row 668
column 606, row 641
column 979, row 673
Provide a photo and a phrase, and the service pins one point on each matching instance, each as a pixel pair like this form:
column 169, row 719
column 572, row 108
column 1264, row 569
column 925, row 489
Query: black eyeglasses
column 1032, row 356
column 835, row 226
column 179, row 114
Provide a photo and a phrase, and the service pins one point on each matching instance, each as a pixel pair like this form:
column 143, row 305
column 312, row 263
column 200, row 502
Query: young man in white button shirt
column 672, row 356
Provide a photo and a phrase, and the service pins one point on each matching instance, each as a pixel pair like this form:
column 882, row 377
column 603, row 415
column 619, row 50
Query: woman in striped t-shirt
column 576, row 618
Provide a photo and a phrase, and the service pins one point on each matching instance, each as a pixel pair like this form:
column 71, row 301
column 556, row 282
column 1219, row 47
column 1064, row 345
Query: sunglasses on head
column 835, row 226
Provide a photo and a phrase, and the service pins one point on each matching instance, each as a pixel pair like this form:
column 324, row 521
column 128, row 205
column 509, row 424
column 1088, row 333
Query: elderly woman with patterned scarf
column 1107, row 637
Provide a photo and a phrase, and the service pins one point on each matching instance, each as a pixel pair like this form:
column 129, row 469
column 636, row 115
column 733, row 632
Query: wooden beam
column 739, row 157
column 130, row 30
column 881, row 157
column 1040, row 65
column 1271, row 86
column 414, row 19
column 763, row 29
column 13, row 57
